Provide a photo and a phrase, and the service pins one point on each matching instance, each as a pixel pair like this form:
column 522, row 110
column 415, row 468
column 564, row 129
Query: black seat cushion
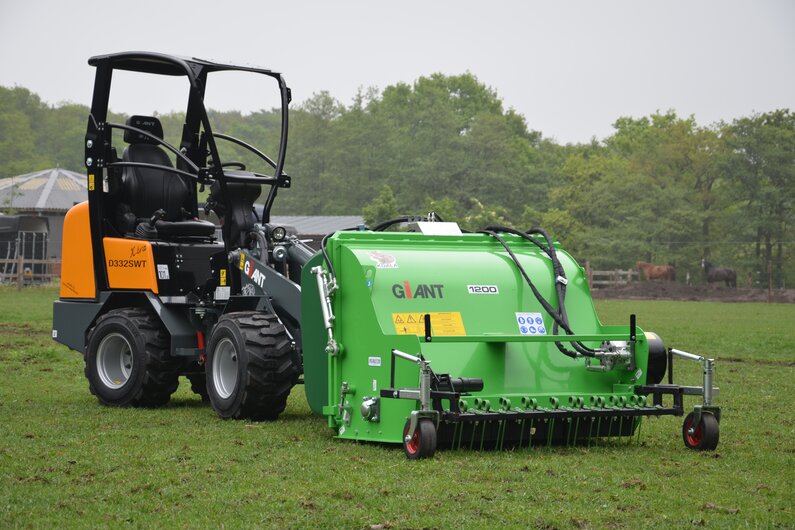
column 146, row 190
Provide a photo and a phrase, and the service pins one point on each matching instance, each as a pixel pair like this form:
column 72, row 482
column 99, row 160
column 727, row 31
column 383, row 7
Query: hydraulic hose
column 559, row 316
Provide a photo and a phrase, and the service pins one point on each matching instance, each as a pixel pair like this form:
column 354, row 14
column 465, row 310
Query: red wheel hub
column 694, row 438
column 413, row 445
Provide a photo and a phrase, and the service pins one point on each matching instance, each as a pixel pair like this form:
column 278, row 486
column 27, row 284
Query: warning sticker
column 443, row 323
column 531, row 324
column 162, row 271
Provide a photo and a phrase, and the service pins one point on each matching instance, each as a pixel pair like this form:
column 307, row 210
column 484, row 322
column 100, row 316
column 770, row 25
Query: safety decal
column 222, row 277
column 443, row 323
column 383, row 261
column 531, row 324
column 162, row 271
column 374, row 361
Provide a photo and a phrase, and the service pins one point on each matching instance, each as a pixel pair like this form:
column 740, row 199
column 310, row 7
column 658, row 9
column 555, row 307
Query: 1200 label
column 483, row 289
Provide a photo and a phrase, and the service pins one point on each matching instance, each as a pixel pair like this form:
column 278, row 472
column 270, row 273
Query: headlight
column 278, row 233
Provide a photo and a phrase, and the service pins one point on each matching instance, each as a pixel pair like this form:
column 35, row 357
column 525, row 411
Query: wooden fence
column 598, row 279
column 25, row 271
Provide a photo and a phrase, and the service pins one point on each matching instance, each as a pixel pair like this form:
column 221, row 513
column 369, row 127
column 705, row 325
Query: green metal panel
column 474, row 291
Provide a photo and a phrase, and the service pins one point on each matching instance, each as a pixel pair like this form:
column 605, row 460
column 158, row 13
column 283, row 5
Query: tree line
column 660, row 188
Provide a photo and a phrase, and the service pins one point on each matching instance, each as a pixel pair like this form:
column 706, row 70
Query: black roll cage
column 194, row 149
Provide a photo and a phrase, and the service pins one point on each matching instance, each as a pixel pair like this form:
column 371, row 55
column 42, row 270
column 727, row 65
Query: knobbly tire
column 249, row 368
column 127, row 361
column 703, row 436
column 423, row 443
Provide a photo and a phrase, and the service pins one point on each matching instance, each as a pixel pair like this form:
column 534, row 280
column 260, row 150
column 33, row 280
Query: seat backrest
column 146, row 190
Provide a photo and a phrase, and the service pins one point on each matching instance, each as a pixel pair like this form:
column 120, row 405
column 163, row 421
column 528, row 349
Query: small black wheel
column 127, row 359
column 249, row 368
column 423, row 443
column 703, row 436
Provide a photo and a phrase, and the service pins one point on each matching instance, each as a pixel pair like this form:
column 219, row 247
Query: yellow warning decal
column 90, row 182
column 443, row 323
column 223, row 277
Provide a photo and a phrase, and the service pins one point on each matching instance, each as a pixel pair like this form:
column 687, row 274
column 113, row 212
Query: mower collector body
column 424, row 336
column 444, row 330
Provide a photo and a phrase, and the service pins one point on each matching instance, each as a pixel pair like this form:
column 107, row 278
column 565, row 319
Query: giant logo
column 422, row 290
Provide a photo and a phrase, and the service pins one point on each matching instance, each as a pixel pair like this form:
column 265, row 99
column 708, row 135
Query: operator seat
column 155, row 203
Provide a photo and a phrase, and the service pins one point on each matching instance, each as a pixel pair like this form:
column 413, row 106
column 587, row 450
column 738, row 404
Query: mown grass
column 67, row 461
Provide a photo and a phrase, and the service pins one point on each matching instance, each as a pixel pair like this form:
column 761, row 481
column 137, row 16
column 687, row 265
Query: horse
column 719, row 274
column 656, row 272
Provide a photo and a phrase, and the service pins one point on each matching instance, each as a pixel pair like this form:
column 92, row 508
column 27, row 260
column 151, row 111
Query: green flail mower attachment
column 481, row 341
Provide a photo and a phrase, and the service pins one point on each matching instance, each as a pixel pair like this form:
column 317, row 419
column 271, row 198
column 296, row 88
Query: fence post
column 20, row 271
column 589, row 274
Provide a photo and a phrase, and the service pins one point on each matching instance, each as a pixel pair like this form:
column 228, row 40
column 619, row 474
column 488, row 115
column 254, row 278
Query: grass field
column 66, row 461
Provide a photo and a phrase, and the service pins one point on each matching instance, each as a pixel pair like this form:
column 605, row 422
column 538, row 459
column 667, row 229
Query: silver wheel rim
column 114, row 360
column 225, row 368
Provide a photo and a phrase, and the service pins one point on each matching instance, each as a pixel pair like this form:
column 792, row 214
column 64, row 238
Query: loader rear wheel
column 423, row 443
column 127, row 359
column 249, row 366
column 701, row 436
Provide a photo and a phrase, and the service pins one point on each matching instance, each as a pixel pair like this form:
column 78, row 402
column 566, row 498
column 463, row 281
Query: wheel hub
column 114, row 360
column 225, row 369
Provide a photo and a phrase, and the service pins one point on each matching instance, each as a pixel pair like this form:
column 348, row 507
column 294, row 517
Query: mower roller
column 413, row 332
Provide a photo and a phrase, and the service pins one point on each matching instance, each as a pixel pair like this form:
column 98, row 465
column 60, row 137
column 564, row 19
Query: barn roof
column 50, row 190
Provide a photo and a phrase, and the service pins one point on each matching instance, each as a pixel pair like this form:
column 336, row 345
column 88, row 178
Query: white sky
column 570, row 67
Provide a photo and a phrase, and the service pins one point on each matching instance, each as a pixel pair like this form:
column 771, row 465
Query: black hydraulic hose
column 329, row 266
column 324, row 250
column 380, row 227
column 559, row 316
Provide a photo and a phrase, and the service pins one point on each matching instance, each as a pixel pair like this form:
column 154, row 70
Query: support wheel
column 249, row 368
column 703, row 436
column 423, row 443
column 127, row 359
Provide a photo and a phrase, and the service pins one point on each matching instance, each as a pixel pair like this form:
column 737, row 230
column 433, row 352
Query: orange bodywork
column 130, row 264
column 77, row 271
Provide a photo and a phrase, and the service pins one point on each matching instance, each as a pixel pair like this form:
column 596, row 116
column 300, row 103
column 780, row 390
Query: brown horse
column 656, row 272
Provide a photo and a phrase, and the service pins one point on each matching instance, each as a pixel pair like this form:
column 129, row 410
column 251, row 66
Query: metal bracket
column 708, row 391
column 423, row 393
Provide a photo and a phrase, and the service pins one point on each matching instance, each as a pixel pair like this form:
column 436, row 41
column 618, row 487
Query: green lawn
column 66, row 461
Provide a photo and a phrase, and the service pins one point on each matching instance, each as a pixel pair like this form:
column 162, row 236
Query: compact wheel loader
column 428, row 336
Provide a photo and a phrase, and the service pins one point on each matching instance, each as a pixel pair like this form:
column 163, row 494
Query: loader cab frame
column 198, row 162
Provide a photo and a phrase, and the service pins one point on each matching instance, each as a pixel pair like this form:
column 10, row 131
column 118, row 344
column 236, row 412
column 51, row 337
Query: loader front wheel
column 701, row 436
column 127, row 359
column 422, row 444
column 249, row 366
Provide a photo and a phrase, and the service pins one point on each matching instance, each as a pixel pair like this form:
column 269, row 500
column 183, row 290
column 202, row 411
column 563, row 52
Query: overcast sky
column 570, row 67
